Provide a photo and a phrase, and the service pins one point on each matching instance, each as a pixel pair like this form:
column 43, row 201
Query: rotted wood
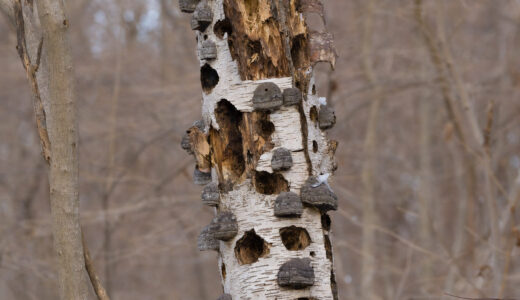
column 260, row 37
column 288, row 204
column 297, row 273
column 319, row 195
column 195, row 142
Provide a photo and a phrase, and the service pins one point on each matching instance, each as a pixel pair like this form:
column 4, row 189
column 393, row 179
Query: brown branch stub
column 100, row 291
column 30, row 71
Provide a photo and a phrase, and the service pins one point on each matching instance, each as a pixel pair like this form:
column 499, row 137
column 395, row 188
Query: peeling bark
column 264, row 44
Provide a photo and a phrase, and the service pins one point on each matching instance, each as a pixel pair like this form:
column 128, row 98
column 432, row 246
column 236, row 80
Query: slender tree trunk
column 63, row 175
column 368, row 266
column 262, row 136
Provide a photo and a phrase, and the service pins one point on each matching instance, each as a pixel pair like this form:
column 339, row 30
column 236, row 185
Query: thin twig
column 94, row 279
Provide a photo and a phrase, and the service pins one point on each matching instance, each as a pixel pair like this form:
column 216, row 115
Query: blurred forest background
column 428, row 124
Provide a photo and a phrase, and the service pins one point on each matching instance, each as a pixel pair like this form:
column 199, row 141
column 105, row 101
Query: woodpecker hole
column 325, row 222
column 250, row 248
column 221, row 27
column 223, row 271
column 295, row 238
column 208, row 78
column 314, row 114
column 314, row 146
column 269, row 184
column 328, row 247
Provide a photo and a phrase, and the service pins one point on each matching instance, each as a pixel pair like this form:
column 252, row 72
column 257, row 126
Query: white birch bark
column 254, row 210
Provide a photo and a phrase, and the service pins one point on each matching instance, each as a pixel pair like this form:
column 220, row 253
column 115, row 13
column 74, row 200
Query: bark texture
column 63, row 136
column 256, row 42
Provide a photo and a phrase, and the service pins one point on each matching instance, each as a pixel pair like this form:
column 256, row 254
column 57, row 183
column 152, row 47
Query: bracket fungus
column 225, row 297
column 188, row 6
column 207, row 241
column 292, row 96
column 267, row 96
column 186, row 143
column 297, row 273
column 202, row 17
column 326, row 117
column 281, row 160
column 288, row 204
column 201, row 177
column 210, row 194
column 319, row 195
column 224, row 226
column 208, row 50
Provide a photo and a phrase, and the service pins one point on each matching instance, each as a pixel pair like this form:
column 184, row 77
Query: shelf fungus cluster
column 297, row 273
column 319, row 194
column 261, row 148
column 225, row 297
column 288, row 204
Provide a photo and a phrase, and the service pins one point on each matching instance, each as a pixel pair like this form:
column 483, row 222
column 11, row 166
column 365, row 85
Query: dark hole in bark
column 314, row 89
column 333, row 285
column 299, row 51
column 205, row 37
column 221, row 27
column 264, row 127
column 298, row 7
column 314, row 114
column 250, row 248
column 208, row 78
column 268, row 184
column 249, row 157
column 314, row 146
column 312, row 254
column 328, row 246
column 223, row 271
column 295, row 238
column 325, row 222
column 254, row 47
column 229, row 119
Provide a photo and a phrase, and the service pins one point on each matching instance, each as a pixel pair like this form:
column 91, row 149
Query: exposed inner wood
column 250, row 248
column 257, row 41
column 295, row 238
column 239, row 143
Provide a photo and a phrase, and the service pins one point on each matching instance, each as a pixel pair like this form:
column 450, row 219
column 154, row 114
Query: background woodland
column 428, row 108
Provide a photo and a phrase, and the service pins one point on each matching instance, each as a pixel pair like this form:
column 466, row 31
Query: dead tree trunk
column 261, row 149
